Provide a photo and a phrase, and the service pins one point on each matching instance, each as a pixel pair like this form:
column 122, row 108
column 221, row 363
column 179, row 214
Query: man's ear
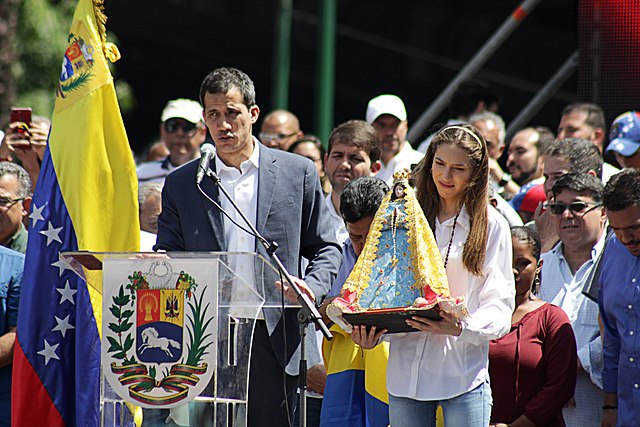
column 598, row 136
column 255, row 113
column 26, row 206
column 375, row 167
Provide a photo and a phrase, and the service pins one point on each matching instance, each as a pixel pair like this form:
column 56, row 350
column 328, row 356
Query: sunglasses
column 172, row 126
column 575, row 207
column 275, row 136
column 5, row 203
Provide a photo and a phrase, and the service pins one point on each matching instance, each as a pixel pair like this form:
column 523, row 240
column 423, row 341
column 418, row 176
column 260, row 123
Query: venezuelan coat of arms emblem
column 159, row 329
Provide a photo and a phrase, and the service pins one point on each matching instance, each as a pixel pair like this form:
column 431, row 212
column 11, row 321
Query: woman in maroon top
column 533, row 367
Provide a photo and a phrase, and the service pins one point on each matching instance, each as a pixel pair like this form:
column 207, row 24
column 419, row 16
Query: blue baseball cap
column 625, row 134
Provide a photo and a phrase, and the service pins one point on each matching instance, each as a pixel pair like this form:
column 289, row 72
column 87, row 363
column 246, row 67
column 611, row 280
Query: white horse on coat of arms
column 151, row 339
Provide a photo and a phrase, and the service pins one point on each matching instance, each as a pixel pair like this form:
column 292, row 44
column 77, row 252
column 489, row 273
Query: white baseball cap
column 385, row 104
column 182, row 108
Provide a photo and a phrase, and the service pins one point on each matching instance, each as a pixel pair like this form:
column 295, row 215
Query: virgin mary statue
column 400, row 266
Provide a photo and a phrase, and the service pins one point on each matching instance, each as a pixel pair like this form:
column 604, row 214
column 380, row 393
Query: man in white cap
column 386, row 113
column 182, row 130
column 625, row 139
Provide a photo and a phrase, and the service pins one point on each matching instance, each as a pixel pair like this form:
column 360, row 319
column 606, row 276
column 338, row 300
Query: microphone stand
column 308, row 312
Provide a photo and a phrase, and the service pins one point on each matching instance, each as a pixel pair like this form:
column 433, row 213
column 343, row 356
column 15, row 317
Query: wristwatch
column 504, row 180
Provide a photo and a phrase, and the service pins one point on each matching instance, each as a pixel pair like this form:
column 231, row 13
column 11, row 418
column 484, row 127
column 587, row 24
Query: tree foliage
column 41, row 39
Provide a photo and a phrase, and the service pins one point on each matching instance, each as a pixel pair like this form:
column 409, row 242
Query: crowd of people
column 539, row 235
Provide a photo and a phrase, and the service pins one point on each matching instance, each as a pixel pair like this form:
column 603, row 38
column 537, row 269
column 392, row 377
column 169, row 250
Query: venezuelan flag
column 355, row 393
column 86, row 199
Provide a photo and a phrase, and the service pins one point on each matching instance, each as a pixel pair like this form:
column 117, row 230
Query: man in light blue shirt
column 11, row 268
column 619, row 301
column 579, row 220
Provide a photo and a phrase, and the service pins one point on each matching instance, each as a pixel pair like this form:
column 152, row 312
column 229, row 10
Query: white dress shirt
column 147, row 241
column 337, row 221
column 242, row 186
column 564, row 289
column 425, row 366
column 406, row 157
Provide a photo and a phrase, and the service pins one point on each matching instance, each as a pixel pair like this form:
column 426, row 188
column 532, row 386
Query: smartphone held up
column 20, row 122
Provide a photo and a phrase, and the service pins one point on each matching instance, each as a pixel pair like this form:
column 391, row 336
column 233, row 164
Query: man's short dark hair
column 622, row 190
column 24, row 181
column 223, row 80
column 581, row 154
column 362, row 197
column 580, row 183
column 357, row 133
column 464, row 100
column 595, row 115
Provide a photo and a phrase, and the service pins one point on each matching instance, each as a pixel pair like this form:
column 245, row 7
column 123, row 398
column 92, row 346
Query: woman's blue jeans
column 471, row 409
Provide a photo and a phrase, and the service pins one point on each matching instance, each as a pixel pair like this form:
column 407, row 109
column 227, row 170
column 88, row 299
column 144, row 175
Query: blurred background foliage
column 41, row 32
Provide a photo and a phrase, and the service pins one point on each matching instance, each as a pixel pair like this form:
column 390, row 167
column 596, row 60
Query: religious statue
column 400, row 267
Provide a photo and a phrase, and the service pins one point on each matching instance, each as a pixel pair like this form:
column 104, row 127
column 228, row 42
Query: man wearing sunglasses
column 579, row 220
column 619, row 301
column 563, row 156
column 183, row 132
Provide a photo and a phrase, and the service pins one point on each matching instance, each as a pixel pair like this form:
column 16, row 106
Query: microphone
column 207, row 152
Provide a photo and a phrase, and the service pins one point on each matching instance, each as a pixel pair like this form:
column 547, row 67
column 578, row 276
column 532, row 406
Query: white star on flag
column 49, row 352
column 66, row 294
column 61, row 265
column 36, row 214
column 52, row 234
column 62, row 325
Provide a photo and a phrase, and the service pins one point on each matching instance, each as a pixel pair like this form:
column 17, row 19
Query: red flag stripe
column 40, row 406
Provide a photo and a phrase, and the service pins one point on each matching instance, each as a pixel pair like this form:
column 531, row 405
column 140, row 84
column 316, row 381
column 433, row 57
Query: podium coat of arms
column 159, row 330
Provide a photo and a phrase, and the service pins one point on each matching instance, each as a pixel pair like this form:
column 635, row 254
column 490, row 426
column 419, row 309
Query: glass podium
column 176, row 332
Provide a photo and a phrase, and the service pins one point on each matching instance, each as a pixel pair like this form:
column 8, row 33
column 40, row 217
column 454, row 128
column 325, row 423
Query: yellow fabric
column 90, row 150
column 341, row 354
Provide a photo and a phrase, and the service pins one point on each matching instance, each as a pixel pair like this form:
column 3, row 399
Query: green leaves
column 116, row 346
column 115, row 310
column 197, row 329
column 121, row 300
column 128, row 343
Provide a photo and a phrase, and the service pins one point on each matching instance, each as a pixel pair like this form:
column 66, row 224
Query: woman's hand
column 366, row 340
column 448, row 325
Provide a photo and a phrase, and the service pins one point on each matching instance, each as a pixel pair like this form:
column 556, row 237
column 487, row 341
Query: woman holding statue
column 445, row 362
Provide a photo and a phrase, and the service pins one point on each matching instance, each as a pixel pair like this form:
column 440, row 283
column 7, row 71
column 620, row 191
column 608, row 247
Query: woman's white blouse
column 425, row 366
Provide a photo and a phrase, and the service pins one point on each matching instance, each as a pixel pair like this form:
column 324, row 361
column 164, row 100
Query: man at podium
column 280, row 193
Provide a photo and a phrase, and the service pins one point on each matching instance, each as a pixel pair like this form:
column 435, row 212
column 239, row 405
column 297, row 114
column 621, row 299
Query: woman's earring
column 536, row 285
